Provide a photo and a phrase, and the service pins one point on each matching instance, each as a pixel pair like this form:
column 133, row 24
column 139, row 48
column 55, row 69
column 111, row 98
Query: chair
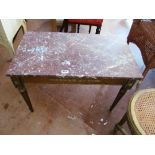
column 90, row 22
column 142, row 33
column 8, row 30
column 140, row 115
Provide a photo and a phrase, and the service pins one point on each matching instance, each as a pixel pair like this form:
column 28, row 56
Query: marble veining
column 72, row 54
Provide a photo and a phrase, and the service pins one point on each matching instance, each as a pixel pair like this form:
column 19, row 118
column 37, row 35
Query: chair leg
column 123, row 120
column 119, row 124
column 64, row 26
column 138, row 85
column 89, row 28
column 145, row 71
column 98, row 29
column 78, row 28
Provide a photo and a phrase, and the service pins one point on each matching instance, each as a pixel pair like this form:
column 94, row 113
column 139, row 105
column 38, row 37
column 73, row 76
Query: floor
column 65, row 109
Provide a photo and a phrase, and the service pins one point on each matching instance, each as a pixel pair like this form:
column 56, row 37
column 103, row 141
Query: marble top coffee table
column 53, row 57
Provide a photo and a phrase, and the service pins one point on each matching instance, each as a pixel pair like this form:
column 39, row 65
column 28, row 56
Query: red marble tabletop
column 73, row 55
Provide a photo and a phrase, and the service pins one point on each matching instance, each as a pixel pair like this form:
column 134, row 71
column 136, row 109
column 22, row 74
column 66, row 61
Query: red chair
column 90, row 22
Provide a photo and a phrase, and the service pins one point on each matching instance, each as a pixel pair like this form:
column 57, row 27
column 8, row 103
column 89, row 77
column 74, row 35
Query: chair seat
column 141, row 112
column 95, row 22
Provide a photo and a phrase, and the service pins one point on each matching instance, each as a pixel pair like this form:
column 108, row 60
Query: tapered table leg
column 18, row 83
column 15, row 83
column 98, row 29
column 122, row 91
